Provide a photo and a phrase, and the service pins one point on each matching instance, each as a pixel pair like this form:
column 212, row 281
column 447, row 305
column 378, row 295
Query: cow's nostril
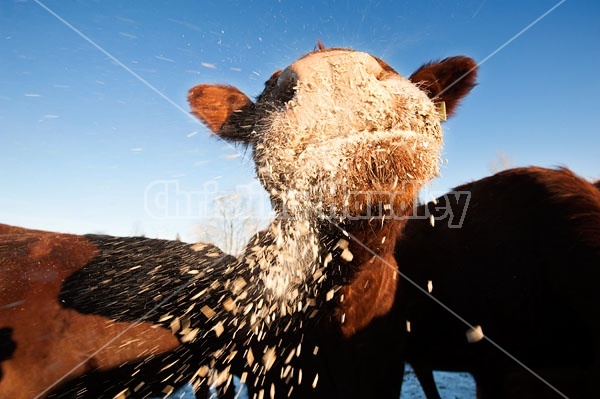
column 287, row 82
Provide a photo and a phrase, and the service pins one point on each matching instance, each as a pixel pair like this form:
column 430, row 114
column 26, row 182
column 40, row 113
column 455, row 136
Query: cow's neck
column 286, row 255
column 345, row 265
column 370, row 278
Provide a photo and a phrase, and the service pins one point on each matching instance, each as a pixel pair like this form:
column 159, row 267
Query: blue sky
column 84, row 143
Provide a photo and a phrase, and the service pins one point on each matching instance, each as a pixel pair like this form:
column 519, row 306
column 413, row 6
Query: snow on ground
column 450, row 385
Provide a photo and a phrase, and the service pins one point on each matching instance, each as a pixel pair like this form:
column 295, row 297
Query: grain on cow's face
column 339, row 118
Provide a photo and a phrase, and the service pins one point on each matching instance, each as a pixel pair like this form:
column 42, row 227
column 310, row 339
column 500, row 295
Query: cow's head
column 338, row 122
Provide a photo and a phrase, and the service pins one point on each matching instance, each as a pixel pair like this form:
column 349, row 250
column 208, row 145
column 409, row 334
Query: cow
column 517, row 256
column 342, row 143
column 118, row 283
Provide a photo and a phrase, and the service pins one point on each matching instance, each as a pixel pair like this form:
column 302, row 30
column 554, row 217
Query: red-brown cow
column 342, row 143
column 117, row 283
column 517, row 254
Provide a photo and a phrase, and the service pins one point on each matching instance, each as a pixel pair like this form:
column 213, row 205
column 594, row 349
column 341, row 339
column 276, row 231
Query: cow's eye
column 286, row 83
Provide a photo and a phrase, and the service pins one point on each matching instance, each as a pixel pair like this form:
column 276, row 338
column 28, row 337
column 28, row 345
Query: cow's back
column 45, row 342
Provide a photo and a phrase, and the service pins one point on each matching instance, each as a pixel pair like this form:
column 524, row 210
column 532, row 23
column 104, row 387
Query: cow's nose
column 287, row 82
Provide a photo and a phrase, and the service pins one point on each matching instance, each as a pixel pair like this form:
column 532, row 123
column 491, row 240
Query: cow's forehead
column 324, row 61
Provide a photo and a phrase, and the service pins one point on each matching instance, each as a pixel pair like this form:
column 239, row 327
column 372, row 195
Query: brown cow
column 43, row 343
column 342, row 143
column 517, row 254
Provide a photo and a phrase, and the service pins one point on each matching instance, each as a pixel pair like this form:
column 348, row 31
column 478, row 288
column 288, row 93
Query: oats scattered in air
column 329, row 295
column 342, row 243
column 432, row 221
column 475, row 334
column 314, row 384
column 286, row 371
column 123, row 394
column 429, row 286
column 198, row 295
column 250, row 357
column 347, row 255
column 290, row 356
column 190, row 335
column 208, row 312
column 269, row 358
column 229, row 304
column 238, row 285
column 222, row 377
column 407, row 326
column 168, row 365
column 160, row 57
column 198, row 247
column 219, row 328
column 175, row 325
column 203, row 371
column 165, row 318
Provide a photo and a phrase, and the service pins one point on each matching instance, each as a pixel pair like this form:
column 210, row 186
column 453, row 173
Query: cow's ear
column 448, row 80
column 225, row 110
